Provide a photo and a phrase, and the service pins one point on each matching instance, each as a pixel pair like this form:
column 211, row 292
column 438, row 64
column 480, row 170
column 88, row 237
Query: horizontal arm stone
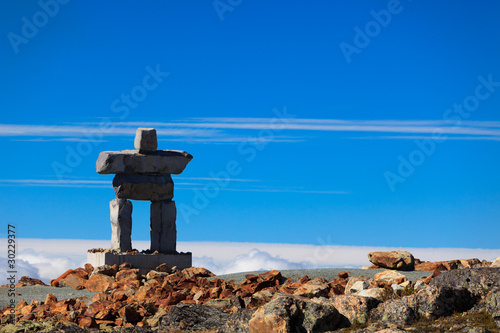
column 131, row 161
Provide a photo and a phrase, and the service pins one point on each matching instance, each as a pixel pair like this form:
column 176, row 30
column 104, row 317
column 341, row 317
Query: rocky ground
column 460, row 296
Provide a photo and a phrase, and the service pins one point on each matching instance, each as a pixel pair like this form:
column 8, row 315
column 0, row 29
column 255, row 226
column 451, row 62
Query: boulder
column 314, row 288
column 99, row 282
column 358, row 286
column 193, row 317
column 28, row 281
column 433, row 302
column 447, row 265
column 399, row 260
column 290, row 313
column 146, row 140
column 75, row 279
column 195, row 272
column 388, row 277
column 476, row 279
column 144, row 187
column 493, row 306
column 470, row 263
column 105, row 269
column 130, row 161
column 352, row 280
column 398, row 312
column 353, row 308
column 128, row 274
column 163, row 268
column 377, row 293
column 496, row 263
column 430, row 266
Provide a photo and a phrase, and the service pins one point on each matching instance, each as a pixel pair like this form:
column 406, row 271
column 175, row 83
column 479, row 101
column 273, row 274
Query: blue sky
column 367, row 123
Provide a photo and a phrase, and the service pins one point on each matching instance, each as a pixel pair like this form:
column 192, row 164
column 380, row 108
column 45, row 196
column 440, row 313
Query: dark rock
column 493, row 306
column 398, row 312
column 144, row 187
column 475, row 279
column 238, row 322
column 290, row 313
column 193, row 317
column 434, row 302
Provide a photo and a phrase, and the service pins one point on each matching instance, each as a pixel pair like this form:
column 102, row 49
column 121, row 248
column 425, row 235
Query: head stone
column 145, row 140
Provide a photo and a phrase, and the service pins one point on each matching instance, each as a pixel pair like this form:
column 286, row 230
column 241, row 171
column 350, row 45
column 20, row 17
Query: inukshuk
column 143, row 174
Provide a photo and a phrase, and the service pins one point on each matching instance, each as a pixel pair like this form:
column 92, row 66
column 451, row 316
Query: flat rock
column 132, row 161
column 144, row 187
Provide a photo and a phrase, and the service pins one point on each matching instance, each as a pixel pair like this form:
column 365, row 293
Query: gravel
column 326, row 273
column 39, row 293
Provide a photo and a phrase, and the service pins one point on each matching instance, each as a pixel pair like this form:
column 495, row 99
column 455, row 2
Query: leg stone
column 121, row 224
column 163, row 229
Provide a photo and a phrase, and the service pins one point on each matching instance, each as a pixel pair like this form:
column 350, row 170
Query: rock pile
column 404, row 261
column 194, row 300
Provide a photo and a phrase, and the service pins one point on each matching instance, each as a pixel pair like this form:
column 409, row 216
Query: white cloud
column 256, row 260
column 47, row 259
column 229, row 130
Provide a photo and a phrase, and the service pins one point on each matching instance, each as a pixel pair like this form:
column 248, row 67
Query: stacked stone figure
column 143, row 174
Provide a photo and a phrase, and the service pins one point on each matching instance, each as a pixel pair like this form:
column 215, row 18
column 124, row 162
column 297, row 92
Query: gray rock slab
column 144, row 187
column 144, row 262
column 163, row 228
column 121, row 224
column 132, row 161
column 145, row 140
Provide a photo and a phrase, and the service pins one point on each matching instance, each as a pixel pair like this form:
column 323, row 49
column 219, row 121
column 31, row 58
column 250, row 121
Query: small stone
column 352, row 280
column 397, row 289
column 358, row 286
column 373, row 292
column 419, row 285
column 145, row 140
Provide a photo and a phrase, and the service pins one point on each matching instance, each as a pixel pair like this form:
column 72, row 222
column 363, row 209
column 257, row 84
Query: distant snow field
column 46, row 259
